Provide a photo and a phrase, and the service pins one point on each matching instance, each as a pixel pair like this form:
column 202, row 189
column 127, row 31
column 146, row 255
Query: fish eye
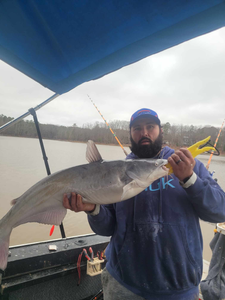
column 156, row 164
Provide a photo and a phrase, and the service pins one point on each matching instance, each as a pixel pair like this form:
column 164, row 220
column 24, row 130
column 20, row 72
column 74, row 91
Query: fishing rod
column 207, row 166
column 109, row 127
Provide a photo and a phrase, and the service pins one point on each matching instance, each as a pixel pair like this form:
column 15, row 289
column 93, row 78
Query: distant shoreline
column 97, row 143
column 70, row 141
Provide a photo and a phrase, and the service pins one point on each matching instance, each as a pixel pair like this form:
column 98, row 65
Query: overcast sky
column 184, row 85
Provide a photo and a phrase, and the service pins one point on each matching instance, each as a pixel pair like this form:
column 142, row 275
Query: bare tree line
column 174, row 135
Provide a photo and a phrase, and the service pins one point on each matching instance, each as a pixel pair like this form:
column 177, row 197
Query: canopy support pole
column 10, row 123
column 33, row 113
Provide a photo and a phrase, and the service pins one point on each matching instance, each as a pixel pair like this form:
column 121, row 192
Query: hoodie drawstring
column 134, row 213
column 160, row 218
column 160, row 202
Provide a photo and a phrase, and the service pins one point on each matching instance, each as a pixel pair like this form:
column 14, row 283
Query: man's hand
column 75, row 203
column 182, row 163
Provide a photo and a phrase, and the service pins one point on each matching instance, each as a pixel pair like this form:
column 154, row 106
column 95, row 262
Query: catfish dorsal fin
column 92, row 153
column 13, row 202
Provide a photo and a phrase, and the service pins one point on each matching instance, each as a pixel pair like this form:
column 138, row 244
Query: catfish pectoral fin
column 130, row 190
column 139, row 182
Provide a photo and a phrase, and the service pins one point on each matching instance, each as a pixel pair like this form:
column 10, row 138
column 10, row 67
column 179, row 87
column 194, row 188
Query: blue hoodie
column 156, row 245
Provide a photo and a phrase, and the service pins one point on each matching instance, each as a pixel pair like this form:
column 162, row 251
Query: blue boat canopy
column 62, row 44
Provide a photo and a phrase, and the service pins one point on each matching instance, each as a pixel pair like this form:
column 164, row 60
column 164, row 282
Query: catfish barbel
column 99, row 182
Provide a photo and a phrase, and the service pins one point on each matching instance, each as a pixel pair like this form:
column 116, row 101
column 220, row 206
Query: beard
column 147, row 151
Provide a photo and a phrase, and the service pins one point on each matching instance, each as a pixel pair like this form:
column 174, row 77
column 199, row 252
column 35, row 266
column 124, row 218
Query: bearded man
column 155, row 251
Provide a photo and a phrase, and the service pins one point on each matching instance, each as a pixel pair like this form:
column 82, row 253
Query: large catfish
column 99, row 182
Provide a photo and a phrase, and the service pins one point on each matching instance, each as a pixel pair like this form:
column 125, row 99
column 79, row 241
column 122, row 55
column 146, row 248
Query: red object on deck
column 52, row 229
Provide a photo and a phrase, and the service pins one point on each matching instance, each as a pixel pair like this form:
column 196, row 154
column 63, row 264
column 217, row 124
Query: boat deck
column 34, row 270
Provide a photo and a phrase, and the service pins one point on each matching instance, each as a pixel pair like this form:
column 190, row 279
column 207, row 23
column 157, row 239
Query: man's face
column 146, row 138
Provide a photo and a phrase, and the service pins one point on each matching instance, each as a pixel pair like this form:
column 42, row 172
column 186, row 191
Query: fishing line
column 207, row 166
column 217, row 153
column 109, row 127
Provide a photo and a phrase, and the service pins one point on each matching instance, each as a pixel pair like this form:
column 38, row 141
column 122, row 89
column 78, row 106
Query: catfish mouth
column 163, row 166
column 165, row 169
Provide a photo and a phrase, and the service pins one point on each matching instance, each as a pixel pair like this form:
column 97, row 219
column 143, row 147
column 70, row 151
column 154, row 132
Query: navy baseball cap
column 144, row 113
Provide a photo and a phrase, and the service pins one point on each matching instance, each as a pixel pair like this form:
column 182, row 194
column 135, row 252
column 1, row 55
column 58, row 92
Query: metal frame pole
column 33, row 113
column 10, row 123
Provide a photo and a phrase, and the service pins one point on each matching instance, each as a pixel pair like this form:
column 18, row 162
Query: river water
column 22, row 165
